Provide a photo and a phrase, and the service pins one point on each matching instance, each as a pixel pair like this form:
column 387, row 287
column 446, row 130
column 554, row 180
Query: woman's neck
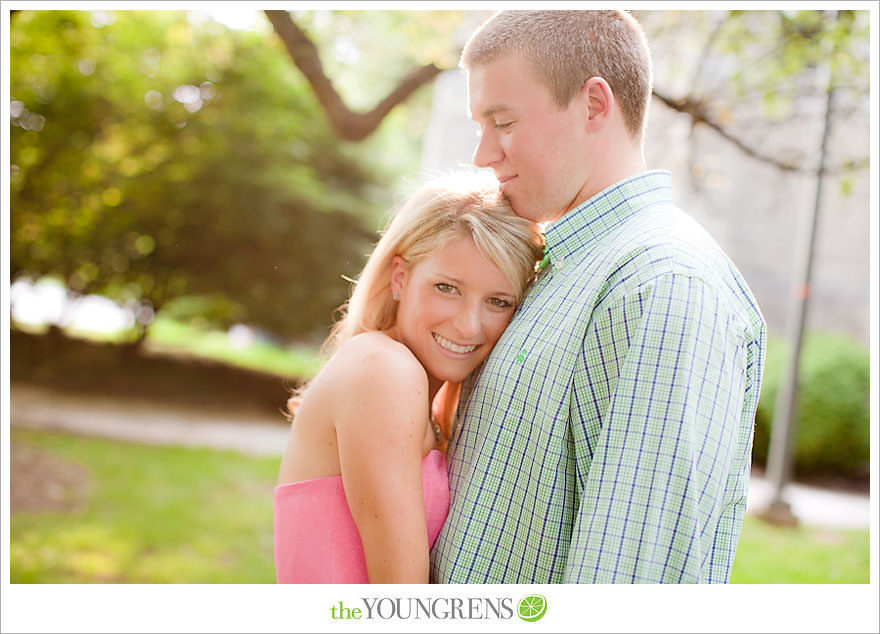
column 434, row 384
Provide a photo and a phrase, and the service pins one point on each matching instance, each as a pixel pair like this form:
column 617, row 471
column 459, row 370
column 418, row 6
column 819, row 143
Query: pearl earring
column 394, row 295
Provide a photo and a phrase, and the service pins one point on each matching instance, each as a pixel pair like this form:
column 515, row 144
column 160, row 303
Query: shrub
column 832, row 433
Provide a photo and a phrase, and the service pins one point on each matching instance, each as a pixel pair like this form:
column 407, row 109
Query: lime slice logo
column 532, row 607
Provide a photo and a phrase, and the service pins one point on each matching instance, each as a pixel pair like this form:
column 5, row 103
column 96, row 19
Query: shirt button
column 558, row 264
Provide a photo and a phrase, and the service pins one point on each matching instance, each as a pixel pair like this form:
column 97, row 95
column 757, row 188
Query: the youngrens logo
column 530, row 608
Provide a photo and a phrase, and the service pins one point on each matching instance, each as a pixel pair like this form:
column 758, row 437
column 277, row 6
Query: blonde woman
column 363, row 488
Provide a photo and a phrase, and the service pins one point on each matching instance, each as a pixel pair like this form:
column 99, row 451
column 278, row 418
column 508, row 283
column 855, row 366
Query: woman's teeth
column 453, row 347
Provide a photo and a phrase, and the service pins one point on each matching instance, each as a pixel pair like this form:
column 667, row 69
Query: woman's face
column 454, row 305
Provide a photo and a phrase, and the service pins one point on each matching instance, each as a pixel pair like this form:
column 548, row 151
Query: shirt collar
column 594, row 218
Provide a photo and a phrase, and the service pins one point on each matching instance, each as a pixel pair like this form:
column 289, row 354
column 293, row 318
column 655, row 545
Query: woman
column 363, row 490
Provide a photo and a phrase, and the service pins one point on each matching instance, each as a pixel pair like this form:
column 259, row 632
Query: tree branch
column 348, row 124
column 698, row 111
column 356, row 126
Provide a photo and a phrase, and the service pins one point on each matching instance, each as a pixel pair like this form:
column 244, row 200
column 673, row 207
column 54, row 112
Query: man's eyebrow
column 493, row 110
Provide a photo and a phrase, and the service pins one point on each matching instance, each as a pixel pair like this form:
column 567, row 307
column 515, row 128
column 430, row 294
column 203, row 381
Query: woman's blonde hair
column 448, row 206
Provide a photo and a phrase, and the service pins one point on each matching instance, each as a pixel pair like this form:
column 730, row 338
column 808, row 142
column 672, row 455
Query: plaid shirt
column 608, row 436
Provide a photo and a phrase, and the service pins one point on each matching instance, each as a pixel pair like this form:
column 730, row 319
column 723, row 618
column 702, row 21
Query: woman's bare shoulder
column 376, row 380
column 374, row 356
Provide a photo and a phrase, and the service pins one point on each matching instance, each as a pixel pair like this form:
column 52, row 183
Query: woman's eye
column 443, row 287
column 497, row 302
column 501, row 126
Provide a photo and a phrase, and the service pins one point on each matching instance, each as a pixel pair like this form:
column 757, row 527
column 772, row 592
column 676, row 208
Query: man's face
column 538, row 151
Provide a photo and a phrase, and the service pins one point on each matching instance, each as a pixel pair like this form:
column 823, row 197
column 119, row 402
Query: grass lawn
column 175, row 515
column 151, row 515
column 178, row 338
column 806, row 554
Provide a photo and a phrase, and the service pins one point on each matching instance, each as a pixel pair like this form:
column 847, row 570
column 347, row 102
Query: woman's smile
column 451, row 346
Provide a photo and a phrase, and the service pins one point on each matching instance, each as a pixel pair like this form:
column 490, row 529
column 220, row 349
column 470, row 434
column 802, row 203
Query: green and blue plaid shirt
column 608, row 436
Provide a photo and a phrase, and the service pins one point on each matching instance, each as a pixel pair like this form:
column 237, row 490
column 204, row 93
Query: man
column 608, row 436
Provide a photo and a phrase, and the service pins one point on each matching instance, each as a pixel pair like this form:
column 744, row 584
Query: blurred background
column 190, row 189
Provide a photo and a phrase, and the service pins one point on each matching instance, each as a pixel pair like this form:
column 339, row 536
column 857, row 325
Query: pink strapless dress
column 316, row 539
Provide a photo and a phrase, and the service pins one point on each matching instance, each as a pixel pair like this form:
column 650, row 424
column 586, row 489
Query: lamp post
column 784, row 425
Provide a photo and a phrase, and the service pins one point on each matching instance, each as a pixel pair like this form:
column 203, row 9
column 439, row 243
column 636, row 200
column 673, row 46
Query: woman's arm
column 380, row 427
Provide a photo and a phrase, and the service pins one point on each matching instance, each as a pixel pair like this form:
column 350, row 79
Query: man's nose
column 487, row 151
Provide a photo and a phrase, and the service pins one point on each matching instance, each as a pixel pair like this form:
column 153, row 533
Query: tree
column 728, row 93
column 348, row 124
column 156, row 160
column 756, row 74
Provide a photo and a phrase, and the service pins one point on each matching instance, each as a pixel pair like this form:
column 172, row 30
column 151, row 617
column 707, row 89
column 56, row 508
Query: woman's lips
column 453, row 347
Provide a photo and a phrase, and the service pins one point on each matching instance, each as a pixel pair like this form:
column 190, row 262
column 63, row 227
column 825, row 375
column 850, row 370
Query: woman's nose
column 467, row 322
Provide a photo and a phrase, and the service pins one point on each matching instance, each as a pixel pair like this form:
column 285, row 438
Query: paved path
column 164, row 424
column 139, row 420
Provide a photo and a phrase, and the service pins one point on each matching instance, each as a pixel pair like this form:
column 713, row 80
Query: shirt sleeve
column 660, row 440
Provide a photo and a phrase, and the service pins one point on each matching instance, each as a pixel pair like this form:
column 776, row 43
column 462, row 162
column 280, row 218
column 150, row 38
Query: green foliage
column 156, row 157
column 833, row 411
column 760, row 76
column 791, row 45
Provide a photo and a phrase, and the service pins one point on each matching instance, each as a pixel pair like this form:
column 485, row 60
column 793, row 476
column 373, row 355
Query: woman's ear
column 399, row 274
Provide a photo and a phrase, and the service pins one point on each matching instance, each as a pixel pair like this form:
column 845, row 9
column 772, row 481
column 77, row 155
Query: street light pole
column 784, row 425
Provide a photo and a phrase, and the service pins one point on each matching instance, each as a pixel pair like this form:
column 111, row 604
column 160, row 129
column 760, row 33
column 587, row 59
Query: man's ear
column 599, row 102
column 399, row 274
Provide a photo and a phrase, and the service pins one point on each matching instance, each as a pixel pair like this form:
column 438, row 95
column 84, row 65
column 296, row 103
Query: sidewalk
column 138, row 420
column 162, row 424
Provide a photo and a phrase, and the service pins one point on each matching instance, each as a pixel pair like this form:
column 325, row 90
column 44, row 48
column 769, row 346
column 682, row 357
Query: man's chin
column 519, row 207
column 528, row 212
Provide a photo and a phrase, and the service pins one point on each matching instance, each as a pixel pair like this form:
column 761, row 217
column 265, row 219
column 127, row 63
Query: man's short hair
column 566, row 48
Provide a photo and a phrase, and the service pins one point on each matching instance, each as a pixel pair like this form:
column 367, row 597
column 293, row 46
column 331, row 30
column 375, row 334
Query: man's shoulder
column 663, row 241
column 660, row 240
